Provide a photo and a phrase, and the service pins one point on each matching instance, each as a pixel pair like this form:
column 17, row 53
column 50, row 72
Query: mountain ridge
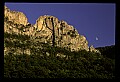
column 47, row 29
column 45, row 50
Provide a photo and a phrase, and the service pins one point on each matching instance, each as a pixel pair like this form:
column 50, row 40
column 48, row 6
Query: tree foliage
column 108, row 51
column 76, row 64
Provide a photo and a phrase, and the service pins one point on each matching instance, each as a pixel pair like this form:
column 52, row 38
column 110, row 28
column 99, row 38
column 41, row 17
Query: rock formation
column 16, row 17
column 65, row 35
column 47, row 29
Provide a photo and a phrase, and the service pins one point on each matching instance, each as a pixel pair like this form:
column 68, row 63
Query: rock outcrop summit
column 47, row 29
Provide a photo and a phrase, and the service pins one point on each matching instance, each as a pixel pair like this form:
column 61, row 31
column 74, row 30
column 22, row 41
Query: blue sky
column 90, row 19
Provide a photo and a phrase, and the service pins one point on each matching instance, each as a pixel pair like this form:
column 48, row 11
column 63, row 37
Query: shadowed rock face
column 47, row 29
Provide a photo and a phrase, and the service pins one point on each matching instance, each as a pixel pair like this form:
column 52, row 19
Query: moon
column 96, row 38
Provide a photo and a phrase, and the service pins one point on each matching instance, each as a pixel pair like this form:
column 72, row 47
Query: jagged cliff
column 65, row 35
column 47, row 29
column 15, row 16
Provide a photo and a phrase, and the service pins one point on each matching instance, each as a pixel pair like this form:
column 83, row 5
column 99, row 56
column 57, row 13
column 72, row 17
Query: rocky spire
column 65, row 34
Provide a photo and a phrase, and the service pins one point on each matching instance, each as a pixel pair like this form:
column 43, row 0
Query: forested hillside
column 45, row 61
column 51, row 48
column 108, row 51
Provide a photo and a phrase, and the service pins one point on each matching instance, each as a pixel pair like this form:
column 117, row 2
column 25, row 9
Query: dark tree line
column 80, row 65
column 107, row 51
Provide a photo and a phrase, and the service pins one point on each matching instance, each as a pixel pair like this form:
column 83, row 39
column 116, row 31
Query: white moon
column 96, row 38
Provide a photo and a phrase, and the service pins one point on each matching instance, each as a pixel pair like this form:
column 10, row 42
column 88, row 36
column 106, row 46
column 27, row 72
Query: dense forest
column 108, row 51
column 76, row 64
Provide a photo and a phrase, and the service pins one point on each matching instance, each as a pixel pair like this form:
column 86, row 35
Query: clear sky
column 96, row 21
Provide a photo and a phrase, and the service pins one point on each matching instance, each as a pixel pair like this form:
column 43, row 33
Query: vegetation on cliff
column 77, row 64
column 28, row 52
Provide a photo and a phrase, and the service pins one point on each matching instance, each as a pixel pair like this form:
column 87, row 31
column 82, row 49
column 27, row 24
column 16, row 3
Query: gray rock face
column 47, row 29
